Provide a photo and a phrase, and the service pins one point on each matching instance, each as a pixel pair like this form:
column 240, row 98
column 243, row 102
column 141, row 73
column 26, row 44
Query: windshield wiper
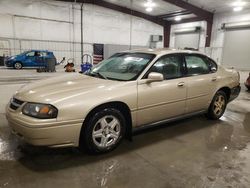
column 100, row 75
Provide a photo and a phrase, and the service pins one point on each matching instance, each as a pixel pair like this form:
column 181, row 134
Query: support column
column 209, row 32
column 167, row 29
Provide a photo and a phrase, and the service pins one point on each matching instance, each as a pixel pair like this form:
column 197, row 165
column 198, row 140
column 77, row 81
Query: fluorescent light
column 177, row 18
column 237, row 9
column 236, row 25
column 238, row 3
column 149, row 4
column 149, row 9
column 187, row 30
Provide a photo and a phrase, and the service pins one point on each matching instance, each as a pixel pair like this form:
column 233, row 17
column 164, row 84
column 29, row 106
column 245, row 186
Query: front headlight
column 41, row 111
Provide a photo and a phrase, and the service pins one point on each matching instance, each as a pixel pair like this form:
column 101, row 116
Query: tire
column 217, row 106
column 18, row 65
column 104, row 131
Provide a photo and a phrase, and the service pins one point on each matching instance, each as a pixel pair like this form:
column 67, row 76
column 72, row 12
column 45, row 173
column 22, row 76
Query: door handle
column 181, row 84
column 214, row 79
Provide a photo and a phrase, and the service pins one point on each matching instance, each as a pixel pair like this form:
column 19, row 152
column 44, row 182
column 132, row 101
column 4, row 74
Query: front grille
column 15, row 104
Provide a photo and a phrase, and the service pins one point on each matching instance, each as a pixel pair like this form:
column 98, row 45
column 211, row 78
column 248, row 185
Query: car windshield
column 121, row 66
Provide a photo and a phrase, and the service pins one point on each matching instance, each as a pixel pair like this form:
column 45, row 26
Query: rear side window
column 44, row 54
column 196, row 65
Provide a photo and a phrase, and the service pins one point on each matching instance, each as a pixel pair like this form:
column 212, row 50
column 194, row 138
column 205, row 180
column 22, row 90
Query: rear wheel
column 104, row 131
column 18, row 65
column 217, row 106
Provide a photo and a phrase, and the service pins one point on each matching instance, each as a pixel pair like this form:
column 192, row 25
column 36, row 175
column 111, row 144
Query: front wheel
column 217, row 106
column 104, row 131
column 18, row 65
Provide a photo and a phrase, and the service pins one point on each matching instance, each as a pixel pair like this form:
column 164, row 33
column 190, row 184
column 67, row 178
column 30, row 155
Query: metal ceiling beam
column 187, row 20
column 122, row 9
column 173, row 14
column 194, row 9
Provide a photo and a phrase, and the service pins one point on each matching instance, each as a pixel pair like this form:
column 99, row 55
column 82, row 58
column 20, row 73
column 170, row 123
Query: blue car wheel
column 18, row 65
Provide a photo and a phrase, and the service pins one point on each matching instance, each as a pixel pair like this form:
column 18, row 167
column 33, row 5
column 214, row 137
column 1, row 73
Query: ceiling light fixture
column 237, row 9
column 177, row 18
column 238, row 3
column 149, row 3
column 149, row 9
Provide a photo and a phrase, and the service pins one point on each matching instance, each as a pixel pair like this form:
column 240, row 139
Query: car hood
column 11, row 57
column 61, row 88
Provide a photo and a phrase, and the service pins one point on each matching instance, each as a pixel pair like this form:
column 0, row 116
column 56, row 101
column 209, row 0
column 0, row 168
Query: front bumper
column 235, row 91
column 44, row 132
column 8, row 63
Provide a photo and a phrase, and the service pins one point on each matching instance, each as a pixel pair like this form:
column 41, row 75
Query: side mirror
column 213, row 69
column 155, row 77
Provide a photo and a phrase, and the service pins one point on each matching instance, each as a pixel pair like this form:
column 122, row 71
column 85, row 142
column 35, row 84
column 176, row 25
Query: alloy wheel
column 18, row 65
column 106, row 131
column 219, row 105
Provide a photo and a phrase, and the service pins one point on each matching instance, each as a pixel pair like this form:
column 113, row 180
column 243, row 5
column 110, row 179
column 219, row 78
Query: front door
column 29, row 59
column 164, row 99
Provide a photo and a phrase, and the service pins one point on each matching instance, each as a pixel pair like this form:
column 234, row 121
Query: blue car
column 32, row 58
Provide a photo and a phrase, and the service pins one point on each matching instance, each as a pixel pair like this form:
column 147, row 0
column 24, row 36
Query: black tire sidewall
column 87, row 133
column 211, row 113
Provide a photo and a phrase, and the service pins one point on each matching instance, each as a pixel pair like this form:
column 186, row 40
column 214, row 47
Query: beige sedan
column 129, row 90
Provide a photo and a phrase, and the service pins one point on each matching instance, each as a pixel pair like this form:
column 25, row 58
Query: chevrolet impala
column 129, row 90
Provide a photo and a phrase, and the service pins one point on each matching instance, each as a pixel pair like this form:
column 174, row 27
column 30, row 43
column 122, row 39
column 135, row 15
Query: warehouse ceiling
column 221, row 5
column 163, row 12
column 171, row 11
column 159, row 6
column 209, row 5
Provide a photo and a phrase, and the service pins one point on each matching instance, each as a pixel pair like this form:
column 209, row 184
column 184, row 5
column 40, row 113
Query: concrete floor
column 194, row 152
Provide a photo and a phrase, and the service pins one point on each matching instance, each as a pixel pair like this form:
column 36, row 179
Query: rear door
column 201, row 82
column 164, row 99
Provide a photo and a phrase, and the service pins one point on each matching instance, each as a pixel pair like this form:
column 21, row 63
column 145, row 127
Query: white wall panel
column 55, row 10
column 100, row 25
column 51, row 30
column 20, row 7
column 6, row 27
column 27, row 28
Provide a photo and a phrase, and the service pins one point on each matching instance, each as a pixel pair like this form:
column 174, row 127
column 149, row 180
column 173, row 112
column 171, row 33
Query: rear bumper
column 235, row 91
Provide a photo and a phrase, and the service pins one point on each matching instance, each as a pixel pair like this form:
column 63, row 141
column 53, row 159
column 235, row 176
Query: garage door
column 189, row 40
column 237, row 49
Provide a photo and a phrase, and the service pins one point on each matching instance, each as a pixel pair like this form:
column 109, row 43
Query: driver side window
column 170, row 66
column 30, row 54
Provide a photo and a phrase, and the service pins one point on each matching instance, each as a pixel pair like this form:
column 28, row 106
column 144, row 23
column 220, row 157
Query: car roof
column 40, row 50
column 163, row 51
